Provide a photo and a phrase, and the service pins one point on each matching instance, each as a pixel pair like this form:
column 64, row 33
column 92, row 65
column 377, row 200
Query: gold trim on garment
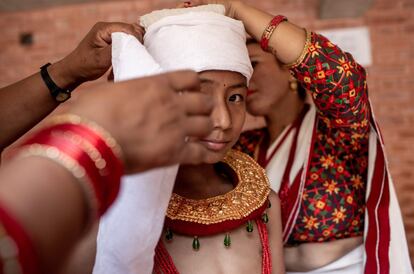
column 250, row 194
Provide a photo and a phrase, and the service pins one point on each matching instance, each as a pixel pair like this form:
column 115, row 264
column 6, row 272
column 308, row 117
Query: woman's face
column 229, row 92
column 269, row 83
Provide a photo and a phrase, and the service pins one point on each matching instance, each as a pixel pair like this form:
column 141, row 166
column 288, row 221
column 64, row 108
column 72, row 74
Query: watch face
column 62, row 96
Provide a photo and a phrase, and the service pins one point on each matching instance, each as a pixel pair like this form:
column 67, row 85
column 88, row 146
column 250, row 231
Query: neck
column 283, row 114
column 200, row 182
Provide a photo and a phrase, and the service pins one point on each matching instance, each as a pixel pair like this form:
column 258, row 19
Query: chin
column 215, row 157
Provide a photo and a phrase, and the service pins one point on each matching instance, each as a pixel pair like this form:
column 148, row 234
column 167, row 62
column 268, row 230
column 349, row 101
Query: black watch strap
column 59, row 94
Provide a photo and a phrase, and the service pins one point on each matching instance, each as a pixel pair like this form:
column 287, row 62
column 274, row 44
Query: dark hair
column 301, row 90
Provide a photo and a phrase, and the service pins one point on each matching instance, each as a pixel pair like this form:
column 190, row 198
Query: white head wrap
column 199, row 40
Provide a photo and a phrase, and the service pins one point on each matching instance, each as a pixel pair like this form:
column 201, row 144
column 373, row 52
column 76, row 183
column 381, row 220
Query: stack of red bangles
column 90, row 154
column 87, row 151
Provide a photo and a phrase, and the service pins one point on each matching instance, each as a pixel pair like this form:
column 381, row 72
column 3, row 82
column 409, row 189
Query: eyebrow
column 206, row 81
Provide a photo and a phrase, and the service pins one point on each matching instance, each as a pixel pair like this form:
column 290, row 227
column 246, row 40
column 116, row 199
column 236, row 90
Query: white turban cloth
column 200, row 39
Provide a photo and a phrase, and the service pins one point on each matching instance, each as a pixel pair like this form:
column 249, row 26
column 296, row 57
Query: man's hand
column 151, row 118
column 92, row 57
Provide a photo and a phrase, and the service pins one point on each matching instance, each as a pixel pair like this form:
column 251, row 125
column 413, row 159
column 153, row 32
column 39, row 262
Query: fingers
column 196, row 103
column 198, row 126
column 104, row 30
column 184, row 80
column 111, row 76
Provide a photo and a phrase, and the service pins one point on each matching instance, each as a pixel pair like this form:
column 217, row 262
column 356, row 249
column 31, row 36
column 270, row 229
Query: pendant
column 249, row 227
column 169, row 235
column 265, row 218
column 227, row 240
column 196, row 243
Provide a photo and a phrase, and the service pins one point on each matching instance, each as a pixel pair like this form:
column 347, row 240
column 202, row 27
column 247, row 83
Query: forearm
column 287, row 40
column 49, row 206
column 27, row 102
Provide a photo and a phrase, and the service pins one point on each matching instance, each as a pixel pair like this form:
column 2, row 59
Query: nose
column 252, row 83
column 221, row 115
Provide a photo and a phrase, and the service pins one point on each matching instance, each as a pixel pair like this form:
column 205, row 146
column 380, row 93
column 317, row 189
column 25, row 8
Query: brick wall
column 56, row 31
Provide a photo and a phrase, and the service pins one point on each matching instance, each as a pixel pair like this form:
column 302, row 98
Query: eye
column 236, row 98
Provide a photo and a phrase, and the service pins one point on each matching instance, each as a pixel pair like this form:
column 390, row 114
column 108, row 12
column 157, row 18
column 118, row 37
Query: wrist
column 234, row 8
column 62, row 75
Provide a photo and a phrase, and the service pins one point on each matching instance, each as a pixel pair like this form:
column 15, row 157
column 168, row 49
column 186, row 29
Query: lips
column 215, row 145
column 251, row 91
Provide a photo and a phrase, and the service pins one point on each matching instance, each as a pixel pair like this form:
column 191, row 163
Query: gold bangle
column 77, row 120
column 70, row 165
column 302, row 56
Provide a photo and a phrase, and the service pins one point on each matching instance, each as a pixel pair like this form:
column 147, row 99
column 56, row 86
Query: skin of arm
column 50, row 206
column 25, row 103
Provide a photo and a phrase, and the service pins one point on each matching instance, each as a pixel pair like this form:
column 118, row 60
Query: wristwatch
column 59, row 94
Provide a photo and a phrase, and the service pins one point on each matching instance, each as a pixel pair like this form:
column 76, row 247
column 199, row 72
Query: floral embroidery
column 331, row 187
column 357, row 181
column 345, row 67
column 327, row 161
column 339, row 215
column 310, row 222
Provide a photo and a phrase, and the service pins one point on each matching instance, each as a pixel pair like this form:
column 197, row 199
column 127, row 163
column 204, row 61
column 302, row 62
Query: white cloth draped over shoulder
column 199, row 39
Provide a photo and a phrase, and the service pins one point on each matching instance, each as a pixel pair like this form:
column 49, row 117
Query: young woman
column 218, row 215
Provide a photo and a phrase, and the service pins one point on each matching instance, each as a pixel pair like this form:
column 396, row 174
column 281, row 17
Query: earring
column 293, row 84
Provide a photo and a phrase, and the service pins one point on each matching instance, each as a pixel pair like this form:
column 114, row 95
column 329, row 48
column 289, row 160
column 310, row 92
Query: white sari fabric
column 385, row 249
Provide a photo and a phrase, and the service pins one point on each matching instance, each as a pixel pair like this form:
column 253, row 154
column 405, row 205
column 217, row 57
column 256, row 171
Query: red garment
column 333, row 203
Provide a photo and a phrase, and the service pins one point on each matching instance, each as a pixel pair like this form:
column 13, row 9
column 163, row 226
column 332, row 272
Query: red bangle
column 84, row 152
column 267, row 34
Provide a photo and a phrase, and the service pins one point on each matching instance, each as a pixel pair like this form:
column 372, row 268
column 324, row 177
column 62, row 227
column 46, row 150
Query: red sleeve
column 337, row 84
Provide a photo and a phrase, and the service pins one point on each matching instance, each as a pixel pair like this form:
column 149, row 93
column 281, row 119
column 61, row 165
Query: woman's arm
column 336, row 81
column 47, row 202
